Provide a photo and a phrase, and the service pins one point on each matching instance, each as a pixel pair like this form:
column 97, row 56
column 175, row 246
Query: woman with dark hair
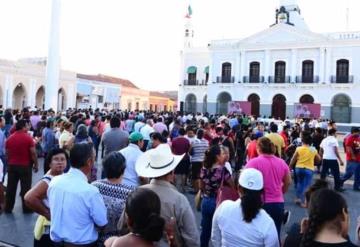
column 94, row 135
column 114, row 193
column 254, row 227
column 327, row 225
column 144, row 220
column 277, row 179
column 211, row 175
column 36, row 198
column 303, row 160
column 81, row 136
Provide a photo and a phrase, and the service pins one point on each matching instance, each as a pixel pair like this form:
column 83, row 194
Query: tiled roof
column 109, row 79
column 157, row 94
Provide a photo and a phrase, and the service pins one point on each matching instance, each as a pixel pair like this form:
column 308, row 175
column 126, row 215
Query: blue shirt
column 48, row 140
column 131, row 153
column 76, row 208
column 2, row 143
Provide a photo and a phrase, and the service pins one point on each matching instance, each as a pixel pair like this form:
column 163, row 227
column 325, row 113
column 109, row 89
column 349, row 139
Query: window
column 137, row 105
column 280, row 70
column 151, row 107
column 342, row 71
column 254, row 72
column 226, row 72
column 308, row 71
column 192, row 75
column 100, row 99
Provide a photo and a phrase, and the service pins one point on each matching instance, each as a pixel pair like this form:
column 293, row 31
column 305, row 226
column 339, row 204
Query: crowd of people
column 120, row 178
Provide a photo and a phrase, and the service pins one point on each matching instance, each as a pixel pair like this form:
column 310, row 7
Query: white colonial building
column 275, row 69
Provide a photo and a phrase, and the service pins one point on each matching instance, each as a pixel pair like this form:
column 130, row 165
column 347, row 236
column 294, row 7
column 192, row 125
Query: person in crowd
column 304, row 160
column 2, row 148
column 353, row 158
column 251, row 148
column 21, row 158
column 317, row 138
column 294, row 235
column 2, row 194
column 140, row 122
column 146, row 130
column 66, row 135
column 129, row 124
column 254, row 227
column 327, row 226
column 329, row 153
column 159, row 126
column 81, row 136
column 48, row 142
column 131, row 154
column 141, row 204
column 37, row 200
column 34, row 120
column 114, row 193
column 277, row 179
column 190, row 134
column 226, row 161
column 277, row 140
column 181, row 146
column 285, row 135
column 212, row 174
column 115, row 139
column 156, row 139
column 8, row 122
column 83, row 221
column 94, row 135
column 159, row 163
column 228, row 142
column 197, row 152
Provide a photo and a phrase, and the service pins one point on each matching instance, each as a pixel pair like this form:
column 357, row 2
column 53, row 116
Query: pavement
column 17, row 228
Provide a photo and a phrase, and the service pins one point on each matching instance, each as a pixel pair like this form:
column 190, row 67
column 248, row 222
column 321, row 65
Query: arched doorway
column 306, row 99
column 341, row 108
column 190, row 103
column 19, row 97
column 278, row 107
column 255, row 104
column 204, row 108
column 222, row 102
column 40, row 98
column 61, row 100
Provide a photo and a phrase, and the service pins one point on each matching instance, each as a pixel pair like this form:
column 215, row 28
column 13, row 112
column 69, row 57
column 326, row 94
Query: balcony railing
column 253, row 79
column 342, row 79
column 191, row 82
column 279, row 79
column 225, row 79
column 307, row 79
column 204, row 82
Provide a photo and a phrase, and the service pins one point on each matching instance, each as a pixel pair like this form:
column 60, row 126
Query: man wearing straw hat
column 159, row 163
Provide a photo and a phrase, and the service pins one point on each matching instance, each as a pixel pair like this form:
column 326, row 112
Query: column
column 53, row 59
column 70, row 100
column 328, row 65
column 237, row 71
column 243, row 64
column 8, row 91
column 32, row 93
column 322, row 65
column 293, row 65
column 267, row 65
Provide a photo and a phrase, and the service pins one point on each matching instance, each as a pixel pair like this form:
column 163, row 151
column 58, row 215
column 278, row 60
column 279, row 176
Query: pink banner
column 307, row 110
column 239, row 107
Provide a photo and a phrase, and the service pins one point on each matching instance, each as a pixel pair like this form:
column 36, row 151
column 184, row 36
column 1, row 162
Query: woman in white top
column 244, row 222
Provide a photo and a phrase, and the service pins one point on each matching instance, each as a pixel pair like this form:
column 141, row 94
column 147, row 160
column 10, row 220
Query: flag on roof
column 189, row 12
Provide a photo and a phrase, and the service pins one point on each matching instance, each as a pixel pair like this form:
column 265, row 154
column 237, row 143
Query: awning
column 84, row 89
column 206, row 70
column 191, row 70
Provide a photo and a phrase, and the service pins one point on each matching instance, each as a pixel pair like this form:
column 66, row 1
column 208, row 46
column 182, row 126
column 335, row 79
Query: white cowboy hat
column 157, row 162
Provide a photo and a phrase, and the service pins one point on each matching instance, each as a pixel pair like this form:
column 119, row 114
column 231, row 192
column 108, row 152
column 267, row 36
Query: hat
column 135, row 137
column 157, row 162
column 251, row 179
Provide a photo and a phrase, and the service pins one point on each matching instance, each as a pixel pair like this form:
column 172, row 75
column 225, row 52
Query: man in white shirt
column 146, row 130
column 77, row 207
column 329, row 150
column 131, row 154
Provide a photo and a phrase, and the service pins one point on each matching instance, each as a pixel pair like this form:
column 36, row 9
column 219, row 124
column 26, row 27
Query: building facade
column 22, row 84
column 275, row 69
column 160, row 102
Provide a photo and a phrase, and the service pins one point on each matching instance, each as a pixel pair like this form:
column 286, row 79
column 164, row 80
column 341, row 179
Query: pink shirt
column 274, row 171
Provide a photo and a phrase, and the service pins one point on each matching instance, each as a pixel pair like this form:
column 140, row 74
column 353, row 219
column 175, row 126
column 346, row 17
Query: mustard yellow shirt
column 306, row 157
column 278, row 142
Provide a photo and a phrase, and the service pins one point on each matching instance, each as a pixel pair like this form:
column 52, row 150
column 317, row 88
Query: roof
column 157, row 94
column 109, row 79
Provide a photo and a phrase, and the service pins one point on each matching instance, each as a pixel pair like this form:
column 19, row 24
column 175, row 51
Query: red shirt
column 285, row 138
column 18, row 148
column 353, row 142
column 180, row 145
column 251, row 150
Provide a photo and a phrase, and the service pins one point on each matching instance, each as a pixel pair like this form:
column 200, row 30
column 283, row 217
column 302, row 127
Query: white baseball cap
column 251, row 179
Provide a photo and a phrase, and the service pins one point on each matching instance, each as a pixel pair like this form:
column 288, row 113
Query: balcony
column 307, row 79
column 191, row 82
column 342, row 79
column 279, row 79
column 225, row 79
column 204, row 82
column 253, row 79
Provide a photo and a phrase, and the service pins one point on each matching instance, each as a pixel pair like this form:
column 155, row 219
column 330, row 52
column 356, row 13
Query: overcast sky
column 141, row 40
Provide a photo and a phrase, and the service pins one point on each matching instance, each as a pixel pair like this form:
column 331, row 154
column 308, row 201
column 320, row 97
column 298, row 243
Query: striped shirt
column 199, row 147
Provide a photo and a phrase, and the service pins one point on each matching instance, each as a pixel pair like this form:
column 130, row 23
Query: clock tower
column 290, row 13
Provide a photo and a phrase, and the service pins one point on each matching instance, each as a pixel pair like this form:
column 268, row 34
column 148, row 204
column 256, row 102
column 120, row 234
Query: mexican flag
column 189, row 12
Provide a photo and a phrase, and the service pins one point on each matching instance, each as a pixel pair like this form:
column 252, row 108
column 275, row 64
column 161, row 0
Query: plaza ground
column 17, row 228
